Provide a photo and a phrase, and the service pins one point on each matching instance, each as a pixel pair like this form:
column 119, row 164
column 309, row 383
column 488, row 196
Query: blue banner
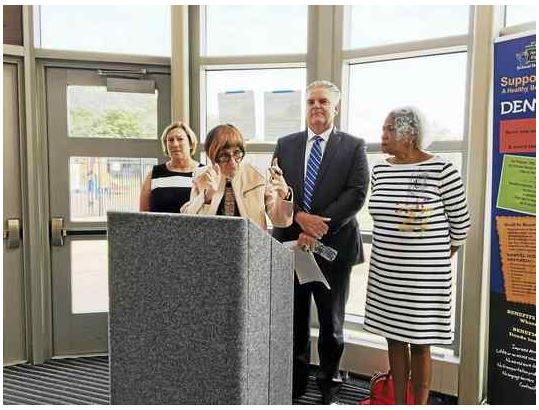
column 512, row 343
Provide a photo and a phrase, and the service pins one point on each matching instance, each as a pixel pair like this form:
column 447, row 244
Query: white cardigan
column 253, row 198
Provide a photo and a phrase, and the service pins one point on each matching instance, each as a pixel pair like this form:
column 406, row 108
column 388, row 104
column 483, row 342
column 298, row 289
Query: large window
column 133, row 29
column 420, row 60
column 257, row 85
column 272, row 101
column 378, row 25
column 518, row 14
column 433, row 83
column 271, row 30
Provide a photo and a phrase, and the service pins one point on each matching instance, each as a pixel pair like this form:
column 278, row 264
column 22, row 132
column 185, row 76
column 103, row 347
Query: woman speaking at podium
column 233, row 188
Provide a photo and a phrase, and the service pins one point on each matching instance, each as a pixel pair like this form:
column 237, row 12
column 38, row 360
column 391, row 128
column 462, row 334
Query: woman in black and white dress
column 420, row 219
column 167, row 187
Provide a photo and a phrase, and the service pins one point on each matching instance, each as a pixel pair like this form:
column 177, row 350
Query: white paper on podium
column 238, row 108
column 307, row 270
column 282, row 113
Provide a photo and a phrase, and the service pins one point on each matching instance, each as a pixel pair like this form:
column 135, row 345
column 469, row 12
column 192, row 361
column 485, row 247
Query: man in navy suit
column 327, row 170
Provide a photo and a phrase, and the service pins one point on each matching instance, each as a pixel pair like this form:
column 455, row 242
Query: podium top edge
column 116, row 214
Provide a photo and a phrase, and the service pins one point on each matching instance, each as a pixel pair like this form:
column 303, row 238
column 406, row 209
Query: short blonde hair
column 221, row 137
column 193, row 141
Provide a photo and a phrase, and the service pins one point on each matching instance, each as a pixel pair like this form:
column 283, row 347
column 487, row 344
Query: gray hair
column 328, row 85
column 408, row 122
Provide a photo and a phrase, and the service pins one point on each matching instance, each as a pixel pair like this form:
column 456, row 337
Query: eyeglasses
column 223, row 157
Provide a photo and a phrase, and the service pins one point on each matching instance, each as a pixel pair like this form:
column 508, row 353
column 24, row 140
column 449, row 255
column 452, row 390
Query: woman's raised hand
column 209, row 181
column 277, row 181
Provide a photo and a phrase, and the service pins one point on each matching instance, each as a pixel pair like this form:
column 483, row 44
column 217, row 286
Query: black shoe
column 336, row 377
column 329, row 390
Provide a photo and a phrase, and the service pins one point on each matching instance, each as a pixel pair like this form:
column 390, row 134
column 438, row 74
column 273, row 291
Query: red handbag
column 382, row 391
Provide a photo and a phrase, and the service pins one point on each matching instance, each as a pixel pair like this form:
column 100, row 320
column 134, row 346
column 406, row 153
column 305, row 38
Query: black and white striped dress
column 170, row 189
column 419, row 211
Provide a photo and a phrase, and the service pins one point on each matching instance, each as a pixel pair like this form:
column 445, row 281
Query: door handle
column 58, row 232
column 12, row 234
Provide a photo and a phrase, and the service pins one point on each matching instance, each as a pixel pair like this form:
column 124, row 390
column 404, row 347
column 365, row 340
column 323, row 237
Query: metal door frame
column 19, row 65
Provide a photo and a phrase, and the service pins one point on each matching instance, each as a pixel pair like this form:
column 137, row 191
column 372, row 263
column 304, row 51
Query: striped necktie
column 313, row 165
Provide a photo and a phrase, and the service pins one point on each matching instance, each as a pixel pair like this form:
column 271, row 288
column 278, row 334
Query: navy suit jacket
column 339, row 192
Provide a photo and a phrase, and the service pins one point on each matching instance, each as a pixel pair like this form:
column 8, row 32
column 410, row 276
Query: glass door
column 103, row 139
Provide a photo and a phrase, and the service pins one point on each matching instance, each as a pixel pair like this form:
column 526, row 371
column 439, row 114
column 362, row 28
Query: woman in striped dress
column 168, row 186
column 420, row 219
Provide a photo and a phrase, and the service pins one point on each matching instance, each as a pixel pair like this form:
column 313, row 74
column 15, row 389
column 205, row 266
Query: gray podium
column 201, row 311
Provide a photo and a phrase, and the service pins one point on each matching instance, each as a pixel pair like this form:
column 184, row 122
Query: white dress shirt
column 310, row 142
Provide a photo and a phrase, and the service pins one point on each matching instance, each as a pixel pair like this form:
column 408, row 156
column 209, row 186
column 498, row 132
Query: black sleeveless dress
column 170, row 189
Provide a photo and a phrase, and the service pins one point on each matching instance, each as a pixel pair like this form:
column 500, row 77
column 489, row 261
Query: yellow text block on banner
column 517, row 251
